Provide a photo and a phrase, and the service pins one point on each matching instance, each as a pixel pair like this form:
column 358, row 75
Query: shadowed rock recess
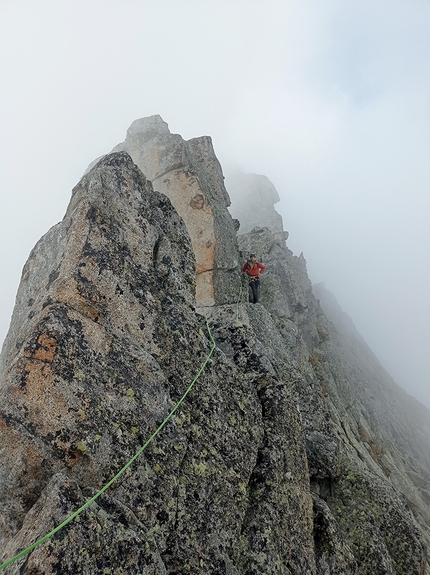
column 294, row 453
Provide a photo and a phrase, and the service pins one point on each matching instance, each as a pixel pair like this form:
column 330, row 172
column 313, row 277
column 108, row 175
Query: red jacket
column 253, row 270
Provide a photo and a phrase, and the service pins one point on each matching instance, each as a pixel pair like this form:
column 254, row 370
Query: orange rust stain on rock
column 33, row 463
column 48, row 345
column 72, row 461
column 197, row 202
column 45, row 350
column 88, row 310
column 46, row 405
column 3, row 424
column 68, row 292
column 208, row 253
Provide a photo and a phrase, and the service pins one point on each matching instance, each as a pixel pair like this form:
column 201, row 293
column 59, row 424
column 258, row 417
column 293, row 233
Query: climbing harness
column 126, row 466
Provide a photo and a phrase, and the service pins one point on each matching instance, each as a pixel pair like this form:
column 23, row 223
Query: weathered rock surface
column 294, row 453
column 189, row 173
column 104, row 340
column 367, row 441
column 393, row 426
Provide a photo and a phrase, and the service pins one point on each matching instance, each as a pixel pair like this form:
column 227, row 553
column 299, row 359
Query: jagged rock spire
column 189, row 173
column 253, row 197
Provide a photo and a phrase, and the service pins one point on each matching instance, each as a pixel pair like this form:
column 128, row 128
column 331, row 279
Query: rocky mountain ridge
column 294, row 454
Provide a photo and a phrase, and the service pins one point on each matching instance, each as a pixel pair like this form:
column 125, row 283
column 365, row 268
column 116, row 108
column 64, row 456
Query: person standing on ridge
column 253, row 269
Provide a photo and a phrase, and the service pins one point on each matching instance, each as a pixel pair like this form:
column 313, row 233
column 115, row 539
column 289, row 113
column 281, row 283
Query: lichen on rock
column 189, row 173
column 108, row 345
column 293, row 454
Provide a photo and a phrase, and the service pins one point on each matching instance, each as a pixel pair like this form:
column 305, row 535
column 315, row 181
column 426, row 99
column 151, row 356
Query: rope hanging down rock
column 121, row 471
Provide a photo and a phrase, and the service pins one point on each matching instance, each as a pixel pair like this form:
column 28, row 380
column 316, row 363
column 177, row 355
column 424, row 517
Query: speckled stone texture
column 103, row 342
column 367, row 441
column 294, row 454
column 189, row 173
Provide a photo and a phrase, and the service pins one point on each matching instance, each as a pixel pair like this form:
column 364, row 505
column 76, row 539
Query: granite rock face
column 103, row 342
column 392, row 425
column 189, row 173
column 293, row 454
column 367, row 441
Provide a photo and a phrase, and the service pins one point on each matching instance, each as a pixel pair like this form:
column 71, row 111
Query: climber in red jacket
column 253, row 269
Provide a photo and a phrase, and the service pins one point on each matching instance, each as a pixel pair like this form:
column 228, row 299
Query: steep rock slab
column 279, row 491
column 189, row 173
column 103, row 342
column 361, row 515
column 385, row 422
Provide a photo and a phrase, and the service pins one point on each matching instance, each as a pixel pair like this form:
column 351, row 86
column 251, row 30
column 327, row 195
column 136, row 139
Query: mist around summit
column 305, row 447
column 292, row 450
column 328, row 101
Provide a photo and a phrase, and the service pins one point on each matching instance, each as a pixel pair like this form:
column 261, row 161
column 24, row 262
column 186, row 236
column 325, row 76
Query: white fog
column 330, row 100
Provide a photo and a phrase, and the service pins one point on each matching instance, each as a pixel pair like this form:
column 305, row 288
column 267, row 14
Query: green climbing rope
column 126, row 466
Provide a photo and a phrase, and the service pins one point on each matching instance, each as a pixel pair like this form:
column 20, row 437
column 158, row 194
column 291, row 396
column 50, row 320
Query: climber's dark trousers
column 254, row 285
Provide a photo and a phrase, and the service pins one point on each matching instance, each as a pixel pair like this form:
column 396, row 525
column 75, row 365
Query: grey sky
column 330, row 100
